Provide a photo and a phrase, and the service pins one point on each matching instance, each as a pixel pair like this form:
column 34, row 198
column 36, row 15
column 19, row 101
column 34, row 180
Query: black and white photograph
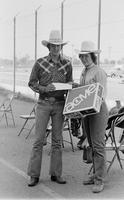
column 62, row 99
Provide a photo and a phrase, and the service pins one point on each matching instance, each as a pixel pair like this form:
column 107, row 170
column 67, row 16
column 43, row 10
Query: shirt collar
column 49, row 58
column 90, row 66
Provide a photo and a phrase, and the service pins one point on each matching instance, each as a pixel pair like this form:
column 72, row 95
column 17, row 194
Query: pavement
column 14, row 156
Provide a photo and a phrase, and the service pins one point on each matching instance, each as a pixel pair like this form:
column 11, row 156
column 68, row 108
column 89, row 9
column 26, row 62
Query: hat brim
column 46, row 43
column 86, row 52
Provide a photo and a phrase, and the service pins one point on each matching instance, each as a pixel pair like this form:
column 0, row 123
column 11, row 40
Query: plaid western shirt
column 45, row 71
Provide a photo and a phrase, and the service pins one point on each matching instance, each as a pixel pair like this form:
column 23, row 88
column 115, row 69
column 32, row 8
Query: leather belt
column 52, row 100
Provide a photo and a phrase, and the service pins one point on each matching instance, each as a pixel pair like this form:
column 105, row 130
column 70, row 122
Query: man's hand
column 75, row 85
column 50, row 88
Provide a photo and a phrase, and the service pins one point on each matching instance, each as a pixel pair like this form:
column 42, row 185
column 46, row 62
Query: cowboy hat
column 88, row 47
column 54, row 38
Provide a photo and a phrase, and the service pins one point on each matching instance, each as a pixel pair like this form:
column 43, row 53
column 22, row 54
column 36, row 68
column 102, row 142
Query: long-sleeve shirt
column 94, row 74
column 45, row 72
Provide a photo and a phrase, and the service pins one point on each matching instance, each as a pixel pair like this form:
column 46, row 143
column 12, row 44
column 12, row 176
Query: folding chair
column 66, row 127
column 28, row 118
column 115, row 121
column 6, row 109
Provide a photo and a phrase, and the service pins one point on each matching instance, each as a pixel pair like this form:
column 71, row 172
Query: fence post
column 99, row 30
column 14, row 54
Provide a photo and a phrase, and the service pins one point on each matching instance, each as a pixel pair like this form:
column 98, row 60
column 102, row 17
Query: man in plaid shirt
column 48, row 70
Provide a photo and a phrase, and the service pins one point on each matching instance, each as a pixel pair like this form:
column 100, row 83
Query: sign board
column 86, row 99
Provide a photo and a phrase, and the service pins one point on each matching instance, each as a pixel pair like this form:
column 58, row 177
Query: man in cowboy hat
column 53, row 68
column 95, row 124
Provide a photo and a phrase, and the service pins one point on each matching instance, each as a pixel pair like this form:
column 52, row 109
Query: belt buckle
column 52, row 100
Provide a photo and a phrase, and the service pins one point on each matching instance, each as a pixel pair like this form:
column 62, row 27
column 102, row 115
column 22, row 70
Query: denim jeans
column 44, row 112
column 95, row 126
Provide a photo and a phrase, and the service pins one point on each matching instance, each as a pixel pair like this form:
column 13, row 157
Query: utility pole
column 35, row 39
column 62, row 18
column 36, row 32
column 14, row 54
column 99, row 30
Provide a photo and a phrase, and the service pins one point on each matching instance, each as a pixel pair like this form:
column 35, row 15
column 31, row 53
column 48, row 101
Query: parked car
column 116, row 73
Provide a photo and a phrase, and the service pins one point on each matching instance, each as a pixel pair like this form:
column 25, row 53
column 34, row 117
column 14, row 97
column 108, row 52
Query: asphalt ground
column 14, row 156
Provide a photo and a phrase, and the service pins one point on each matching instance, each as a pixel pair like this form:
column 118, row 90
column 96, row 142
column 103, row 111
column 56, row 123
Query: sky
column 80, row 23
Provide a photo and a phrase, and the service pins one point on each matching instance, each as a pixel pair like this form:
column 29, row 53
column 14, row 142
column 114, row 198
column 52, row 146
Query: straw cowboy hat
column 54, row 38
column 88, row 47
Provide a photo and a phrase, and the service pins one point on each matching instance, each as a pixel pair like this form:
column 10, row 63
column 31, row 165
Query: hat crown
column 55, row 37
column 88, row 46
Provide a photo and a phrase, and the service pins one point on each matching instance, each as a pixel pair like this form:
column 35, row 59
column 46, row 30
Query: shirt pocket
column 45, row 78
column 59, row 76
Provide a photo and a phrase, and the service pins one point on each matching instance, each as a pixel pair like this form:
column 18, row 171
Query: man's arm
column 34, row 81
